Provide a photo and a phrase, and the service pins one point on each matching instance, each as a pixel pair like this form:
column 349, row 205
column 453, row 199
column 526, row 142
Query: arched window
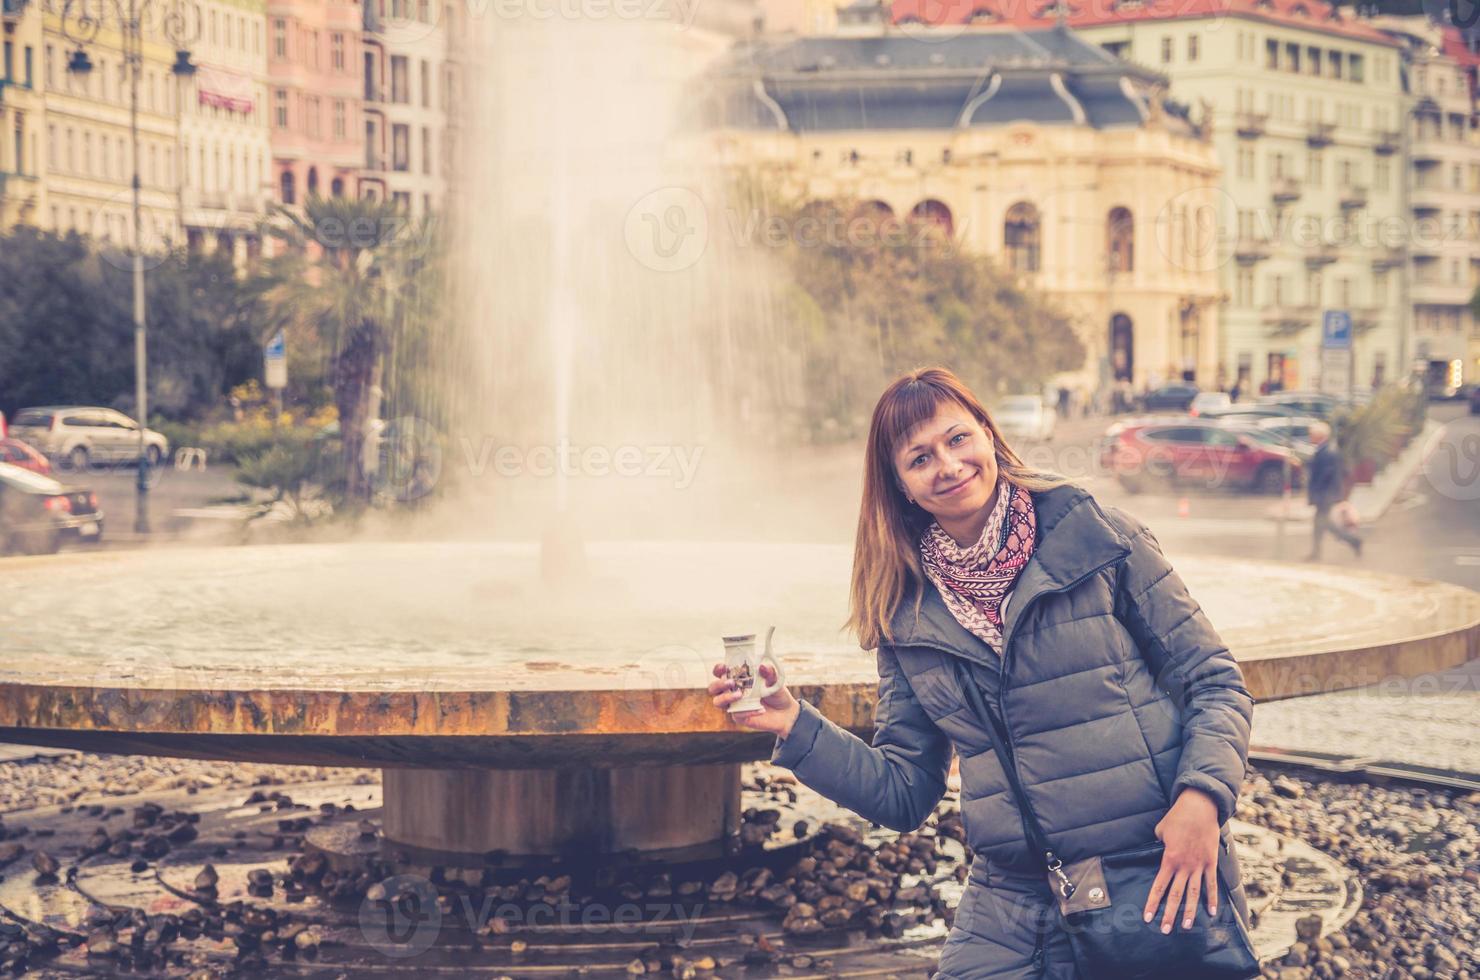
column 935, row 213
column 1120, row 240
column 336, row 187
column 286, row 187
column 313, row 181
column 1022, row 235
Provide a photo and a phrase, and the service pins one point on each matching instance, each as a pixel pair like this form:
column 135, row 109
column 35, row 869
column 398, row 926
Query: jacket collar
column 1074, row 538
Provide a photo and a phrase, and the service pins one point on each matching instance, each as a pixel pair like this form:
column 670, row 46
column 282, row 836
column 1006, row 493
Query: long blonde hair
column 886, row 554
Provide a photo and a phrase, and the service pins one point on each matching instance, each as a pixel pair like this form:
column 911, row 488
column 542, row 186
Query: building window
column 311, row 116
column 1356, row 70
column 1192, row 51
column 400, row 147
column 426, row 84
column 1314, row 168
column 280, row 108
column 1381, row 176
column 1313, row 289
column 1271, row 54
column 1166, row 50
column 285, row 187
column 341, row 127
column 1244, row 288
column 1334, row 62
column 1246, row 162
column 336, row 51
column 1022, row 236
column 279, row 38
column 426, row 150
column 1313, row 60
column 1292, row 57
column 400, row 84
column 1120, row 240
column 402, row 201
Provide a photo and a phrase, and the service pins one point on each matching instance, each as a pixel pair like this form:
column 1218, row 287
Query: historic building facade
column 1307, row 106
column 314, row 109
column 22, row 162
column 1036, row 148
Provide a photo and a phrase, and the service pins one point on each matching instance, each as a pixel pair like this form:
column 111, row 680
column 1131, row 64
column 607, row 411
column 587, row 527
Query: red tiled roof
column 1314, row 14
column 1454, row 47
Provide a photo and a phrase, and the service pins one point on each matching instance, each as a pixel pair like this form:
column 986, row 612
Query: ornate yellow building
column 22, row 189
column 88, row 154
column 1063, row 163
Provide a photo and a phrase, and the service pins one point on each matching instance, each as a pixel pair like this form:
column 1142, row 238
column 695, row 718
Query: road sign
column 1336, row 330
column 275, row 361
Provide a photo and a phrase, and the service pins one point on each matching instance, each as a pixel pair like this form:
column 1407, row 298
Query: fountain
column 533, row 691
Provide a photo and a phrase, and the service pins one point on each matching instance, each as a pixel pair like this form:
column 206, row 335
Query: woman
column 1128, row 718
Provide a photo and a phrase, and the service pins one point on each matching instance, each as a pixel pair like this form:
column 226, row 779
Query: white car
column 1025, row 417
column 79, row 435
column 1209, row 401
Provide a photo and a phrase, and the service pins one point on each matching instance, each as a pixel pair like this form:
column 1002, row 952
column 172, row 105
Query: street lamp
column 180, row 24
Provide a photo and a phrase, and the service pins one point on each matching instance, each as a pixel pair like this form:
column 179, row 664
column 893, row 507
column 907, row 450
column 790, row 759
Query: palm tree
column 352, row 274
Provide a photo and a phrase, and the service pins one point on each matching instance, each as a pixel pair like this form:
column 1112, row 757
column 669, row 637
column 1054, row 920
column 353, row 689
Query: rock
column 205, row 880
column 1308, row 927
column 45, row 865
column 636, row 968
column 9, row 851
column 1287, row 787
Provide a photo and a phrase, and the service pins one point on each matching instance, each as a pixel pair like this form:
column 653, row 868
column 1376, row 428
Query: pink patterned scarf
column 974, row 581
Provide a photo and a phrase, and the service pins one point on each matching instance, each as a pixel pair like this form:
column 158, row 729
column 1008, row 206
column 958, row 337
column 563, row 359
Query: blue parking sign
column 1336, row 330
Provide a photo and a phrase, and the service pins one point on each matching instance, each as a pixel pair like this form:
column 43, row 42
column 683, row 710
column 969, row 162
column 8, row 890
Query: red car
column 1145, row 452
column 17, row 453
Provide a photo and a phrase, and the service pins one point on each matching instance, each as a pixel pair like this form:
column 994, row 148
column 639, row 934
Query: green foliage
column 299, row 470
column 896, row 295
column 66, row 327
column 1378, row 431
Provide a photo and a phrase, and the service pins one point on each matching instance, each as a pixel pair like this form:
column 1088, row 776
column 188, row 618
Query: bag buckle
column 1066, row 887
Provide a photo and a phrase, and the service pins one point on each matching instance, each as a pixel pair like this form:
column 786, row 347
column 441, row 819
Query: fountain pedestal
column 664, row 812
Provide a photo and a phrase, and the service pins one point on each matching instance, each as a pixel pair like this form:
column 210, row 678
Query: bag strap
column 1037, row 839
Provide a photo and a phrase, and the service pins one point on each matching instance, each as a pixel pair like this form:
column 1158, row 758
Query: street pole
column 133, row 39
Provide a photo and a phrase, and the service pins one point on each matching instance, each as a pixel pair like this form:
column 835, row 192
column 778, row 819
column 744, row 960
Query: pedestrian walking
column 1327, row 484
column 1101, row 724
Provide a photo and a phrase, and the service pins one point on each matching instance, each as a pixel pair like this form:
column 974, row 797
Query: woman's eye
column 919, row 459
column 959, row 435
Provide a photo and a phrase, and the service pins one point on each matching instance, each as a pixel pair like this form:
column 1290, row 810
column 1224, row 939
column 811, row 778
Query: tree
column 353, row 283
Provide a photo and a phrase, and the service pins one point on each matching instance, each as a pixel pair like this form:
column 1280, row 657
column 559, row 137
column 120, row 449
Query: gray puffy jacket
column 1115, row 690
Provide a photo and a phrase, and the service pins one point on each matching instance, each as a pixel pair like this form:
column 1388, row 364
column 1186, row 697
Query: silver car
column 79, row 435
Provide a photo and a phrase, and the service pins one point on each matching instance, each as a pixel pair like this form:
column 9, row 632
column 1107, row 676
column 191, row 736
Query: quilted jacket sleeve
column 895, row 782
column 1192, row 663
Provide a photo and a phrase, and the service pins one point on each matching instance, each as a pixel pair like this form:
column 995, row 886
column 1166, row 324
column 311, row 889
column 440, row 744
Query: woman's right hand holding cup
column 778, row 711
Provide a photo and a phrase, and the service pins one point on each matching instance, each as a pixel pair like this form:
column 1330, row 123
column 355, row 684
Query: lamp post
column 180, row 24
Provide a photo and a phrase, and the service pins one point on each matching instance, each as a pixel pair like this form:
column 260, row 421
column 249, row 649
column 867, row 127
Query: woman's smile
column 959, row 488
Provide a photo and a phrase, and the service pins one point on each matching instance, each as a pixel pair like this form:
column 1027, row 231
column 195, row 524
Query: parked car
column 17, row 453
column 37, row 513
column 81, row 435
column 1025, row 417
column 1209, row 401
column 1316, row 403
column 1244, row 412
column 1294, row 430
column 1144, row 452
column 1170, row 398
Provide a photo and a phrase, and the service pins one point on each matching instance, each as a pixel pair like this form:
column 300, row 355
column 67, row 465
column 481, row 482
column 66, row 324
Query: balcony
column 1250, row 249
column 1353, row 197
column 1436, row 293
column 1388, row 257
column 13, row 8
column 1284, row 190
column 1364, row 318
column 1428, row 199
column 1250, row 125
column 1388, row 142
column 1427, row 150
column 1320, row 133
column 1285, row 320
column 1320, row 255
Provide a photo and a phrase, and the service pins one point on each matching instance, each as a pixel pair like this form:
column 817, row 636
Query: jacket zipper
column 1040, row 941
column 1050, row 859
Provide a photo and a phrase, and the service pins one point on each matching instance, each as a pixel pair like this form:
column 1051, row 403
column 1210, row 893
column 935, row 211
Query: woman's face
column 948, row 465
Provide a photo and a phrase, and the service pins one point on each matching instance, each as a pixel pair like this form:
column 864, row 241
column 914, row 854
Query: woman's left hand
column 1189, row 866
